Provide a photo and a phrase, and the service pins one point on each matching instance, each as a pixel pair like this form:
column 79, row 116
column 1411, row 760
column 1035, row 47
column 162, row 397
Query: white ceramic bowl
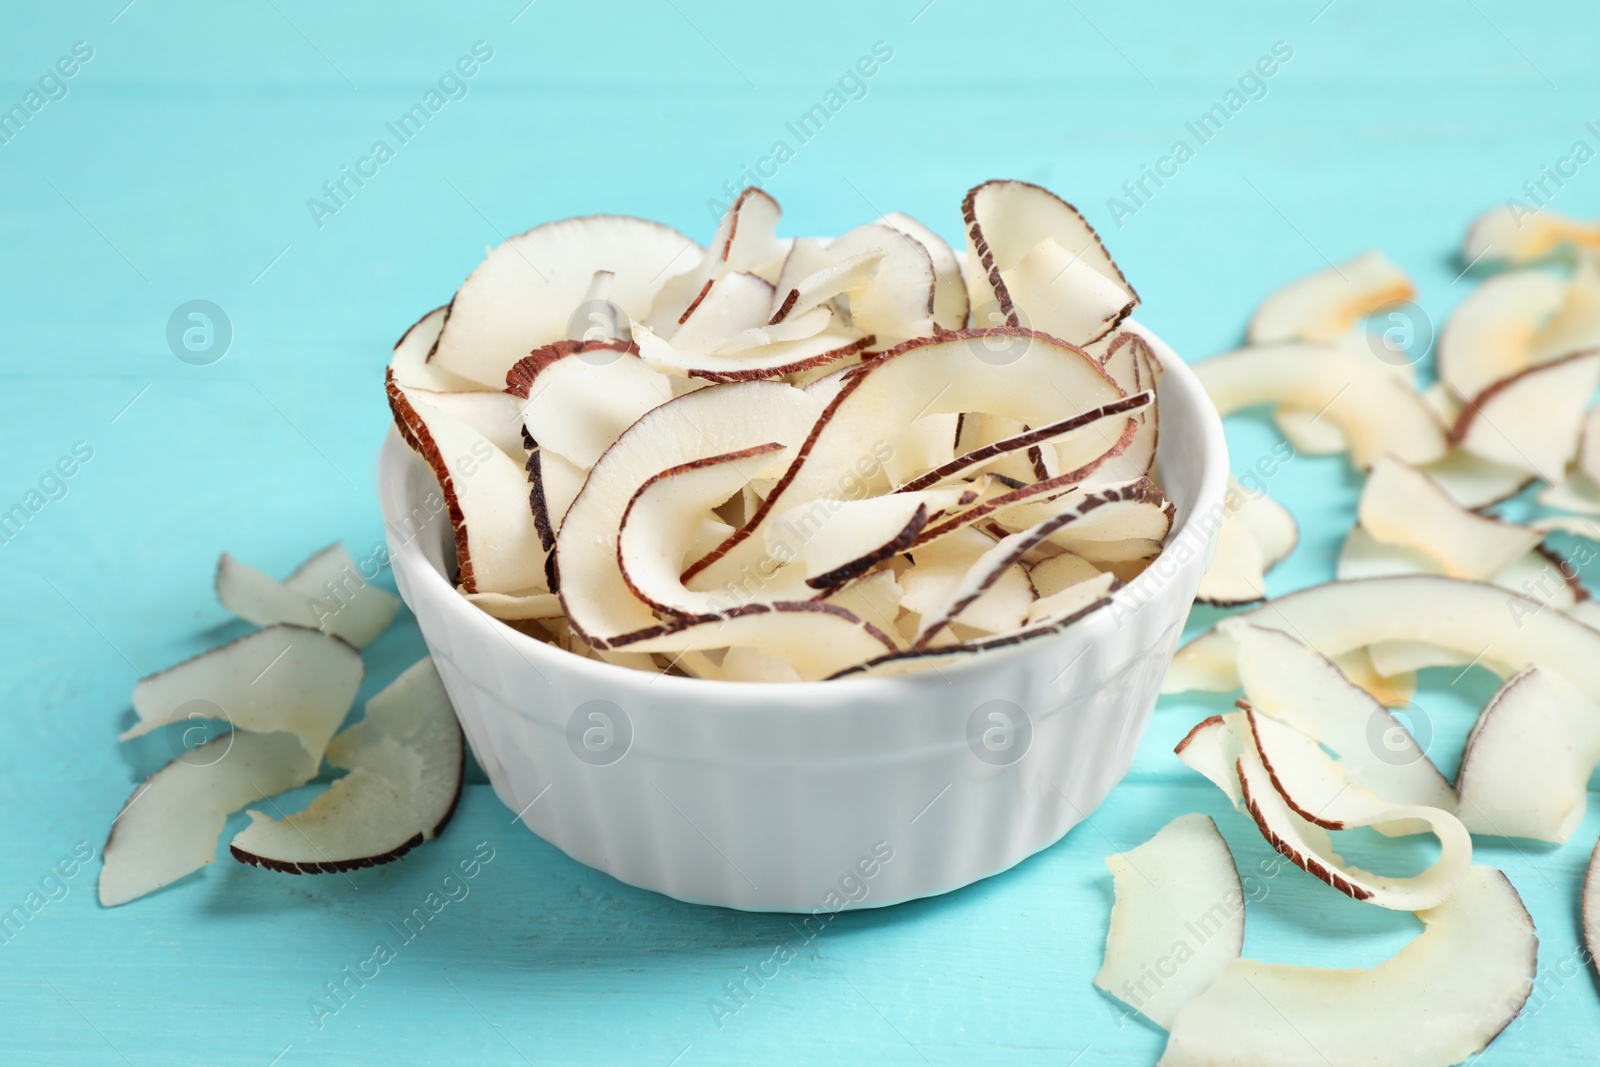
column 814, row 797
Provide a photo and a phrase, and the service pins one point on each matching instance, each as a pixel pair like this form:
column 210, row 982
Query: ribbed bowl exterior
column 817, row 797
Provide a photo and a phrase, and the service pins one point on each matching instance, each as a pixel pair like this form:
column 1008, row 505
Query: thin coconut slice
column 1532, row 420
column 576, row 404
column 715, row 421
column 170, row 825
column 1310, row 434
column 1328, row 304
column 1440, row 1000
column 798, row 328
column 1474, row 482
column 1501, row 235
column 927, row 443
column 1007, row 220
column 937, row 570
column 326, row 592
column 513, row 608
column 1115, row 509
column 554, row 483
column 816, row 638
column 814, row 274
column 1257, row 533
column 1055, row 291
column 1402, row 506
column 660, row 526
column 1491, row 333
column 410, row 365
column 775, row 360
column 1591, row 908
column 523, row 295
column 735, row 302
column 874, row 598
column 1037, row 379
column 280, row 678
column 497, row 541
column 1375, row 411
column 950, row 304
column 1180, row 908
column 834, row 541
column 406, row 761
column 1394, row 690
column 896, row 302
column 977, row 458
column 495, row 416
column 1485, row 623
column 746, row 240
column 1576, row 326
column 1295, row 793
column 1525, row 771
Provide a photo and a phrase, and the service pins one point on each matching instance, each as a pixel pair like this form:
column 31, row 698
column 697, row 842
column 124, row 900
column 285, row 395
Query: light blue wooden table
column 176, row 164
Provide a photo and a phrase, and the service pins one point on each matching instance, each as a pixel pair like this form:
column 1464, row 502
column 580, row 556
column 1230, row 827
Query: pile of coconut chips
column 285, row 688
column 1428, row 576
column 779, row 459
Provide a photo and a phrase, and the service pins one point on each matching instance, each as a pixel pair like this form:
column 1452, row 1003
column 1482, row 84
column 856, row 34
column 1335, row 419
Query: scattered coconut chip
column 1295, row 793
column 1531, row 420
column 405, row 759
column 1309, row 434
column 1491, row 333
column 497, row 541
column 1328, row 304
column 1526, row 767
column 170, row 825
column 1439, row 1001
column 1393, row 690
column 1402, row 506
column 1257, row 533
column 1500, row 235
column 1576, row 326
column 1591, row 908
column 1300, row 687
column 1486, row 623
column 280, row 678
column 1474, row 482
column 327, row 592
column 1376, row 412
column 1179, row 888
column 522, row 296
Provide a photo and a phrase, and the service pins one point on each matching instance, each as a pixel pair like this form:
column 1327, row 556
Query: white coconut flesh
column 326, row 592
column 1178, row 890
column 405, row 761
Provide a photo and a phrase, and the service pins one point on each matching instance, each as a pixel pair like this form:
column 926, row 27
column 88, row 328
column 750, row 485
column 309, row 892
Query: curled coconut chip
column 1257, row 533
column 1329, row 304
column 405, row 760
column 1295, row 793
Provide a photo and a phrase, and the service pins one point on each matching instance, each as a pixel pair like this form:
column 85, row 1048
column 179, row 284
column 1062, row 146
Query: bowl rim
column 1209, row 492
